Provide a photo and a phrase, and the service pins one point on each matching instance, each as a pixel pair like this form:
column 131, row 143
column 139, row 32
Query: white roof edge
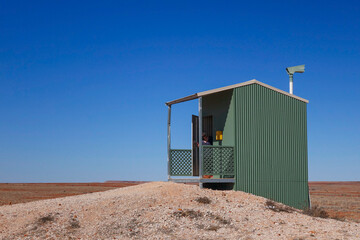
column 283, row 92
column 200, row 94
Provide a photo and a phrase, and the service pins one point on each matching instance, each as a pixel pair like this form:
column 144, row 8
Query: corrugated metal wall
column 221, row 107
column 271, row 145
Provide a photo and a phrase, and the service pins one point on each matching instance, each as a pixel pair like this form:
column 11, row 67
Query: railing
column 217, row 160
column 180, row 162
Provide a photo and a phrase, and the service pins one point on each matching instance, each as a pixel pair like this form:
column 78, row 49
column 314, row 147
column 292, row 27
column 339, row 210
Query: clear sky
column 83, row 83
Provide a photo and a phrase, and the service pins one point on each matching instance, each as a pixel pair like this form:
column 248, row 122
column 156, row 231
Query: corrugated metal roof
column 254, row 81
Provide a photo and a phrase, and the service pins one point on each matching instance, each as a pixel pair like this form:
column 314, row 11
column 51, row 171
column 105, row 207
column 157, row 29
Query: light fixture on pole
column 291, row 71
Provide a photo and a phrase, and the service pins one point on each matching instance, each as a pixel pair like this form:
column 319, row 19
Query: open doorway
column 207, row 128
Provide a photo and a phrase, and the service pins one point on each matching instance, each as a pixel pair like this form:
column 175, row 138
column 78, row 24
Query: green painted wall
column 271, row 145
column 222, row 107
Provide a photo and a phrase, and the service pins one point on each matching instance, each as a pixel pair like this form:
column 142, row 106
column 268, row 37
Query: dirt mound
column 161, row 210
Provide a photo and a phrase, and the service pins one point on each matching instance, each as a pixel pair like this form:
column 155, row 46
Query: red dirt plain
column 12, row 193
column 339, row 199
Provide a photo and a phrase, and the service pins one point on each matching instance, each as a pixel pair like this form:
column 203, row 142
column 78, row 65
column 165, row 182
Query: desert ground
column 164, row 210
column 339, row 199
column 12, row 193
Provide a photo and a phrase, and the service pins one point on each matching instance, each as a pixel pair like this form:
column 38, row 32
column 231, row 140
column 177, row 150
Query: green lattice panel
column 218, row 160
column 180, row 162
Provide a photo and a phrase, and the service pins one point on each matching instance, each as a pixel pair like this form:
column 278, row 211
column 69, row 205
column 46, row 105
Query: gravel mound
column 163, row 210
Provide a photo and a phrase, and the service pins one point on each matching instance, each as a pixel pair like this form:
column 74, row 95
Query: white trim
column 254, row 81
column 281, row 91
column 226, row 88
column 200, row 94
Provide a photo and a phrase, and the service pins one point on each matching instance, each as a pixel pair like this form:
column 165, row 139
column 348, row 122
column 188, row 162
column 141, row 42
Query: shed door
column 195, row 140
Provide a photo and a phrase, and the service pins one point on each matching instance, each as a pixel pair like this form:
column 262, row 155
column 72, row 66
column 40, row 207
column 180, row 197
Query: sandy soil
column 339, row 199
column 161, row 210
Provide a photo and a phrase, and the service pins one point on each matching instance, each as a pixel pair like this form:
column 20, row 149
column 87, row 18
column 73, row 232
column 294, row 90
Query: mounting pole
column 169, row 140
column 291, row 83
column 200, row 143
column 291, row 71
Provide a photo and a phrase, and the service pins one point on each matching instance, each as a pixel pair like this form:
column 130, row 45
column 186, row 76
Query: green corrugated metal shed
column 271, row 145
column 268, row 129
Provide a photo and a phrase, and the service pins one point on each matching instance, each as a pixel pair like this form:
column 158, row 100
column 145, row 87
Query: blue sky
column 83, row 83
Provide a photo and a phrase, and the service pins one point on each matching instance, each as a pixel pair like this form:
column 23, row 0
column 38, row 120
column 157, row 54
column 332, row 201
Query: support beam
column 200, row 141
column 169, row 140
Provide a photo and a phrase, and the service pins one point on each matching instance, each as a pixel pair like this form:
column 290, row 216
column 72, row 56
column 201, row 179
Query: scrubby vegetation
column 316, row 211
column 278, row 207
column 204, row 200
column 48, row 218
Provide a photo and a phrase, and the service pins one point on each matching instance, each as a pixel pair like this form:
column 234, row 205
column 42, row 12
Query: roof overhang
column 254, row 81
